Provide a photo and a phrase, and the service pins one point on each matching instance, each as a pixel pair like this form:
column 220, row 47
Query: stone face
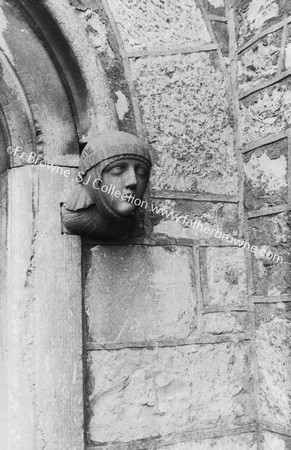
column 141, row 393
column 223, row 216
column 154, row 25
column 223, row 276
column 192, row 139
column 241, row 442
column 139, row 293
column 266, row 176
column 260, row 61
column 273, row 349
column 271, row 275
column 266, row 112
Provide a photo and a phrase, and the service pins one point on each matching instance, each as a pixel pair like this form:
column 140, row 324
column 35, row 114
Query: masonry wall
column 263, row 37
column 186, row 334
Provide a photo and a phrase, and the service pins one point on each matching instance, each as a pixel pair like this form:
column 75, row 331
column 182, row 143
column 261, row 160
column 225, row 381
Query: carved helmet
column 111, row 146
column 105, row 149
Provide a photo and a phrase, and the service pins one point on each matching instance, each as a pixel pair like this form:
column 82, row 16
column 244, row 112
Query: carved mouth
column 129, row 197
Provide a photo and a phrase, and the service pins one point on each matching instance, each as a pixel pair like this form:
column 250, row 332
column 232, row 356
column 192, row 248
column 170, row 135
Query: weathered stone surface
column 193, row 139
column 216, row 7
column 3, row 307
column 224, row 281
column 141, row 393
column 154, row 25
column 241, row 442
column 266, row 176
column 95, row 21
column 272, row 235
column 256, row 15
column 224, row 323
column 97, row 31
column 272, row 441
column 222, row 216
column 139, row 293
column 288, row 50
column 260, row 61
column 267, row 111
column 220, row 30
column 42, row 316
column 273, row 329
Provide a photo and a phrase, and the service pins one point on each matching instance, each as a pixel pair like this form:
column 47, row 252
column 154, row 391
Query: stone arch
column 53, row 93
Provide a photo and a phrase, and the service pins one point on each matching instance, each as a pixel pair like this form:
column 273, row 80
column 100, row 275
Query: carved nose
column 131, row 180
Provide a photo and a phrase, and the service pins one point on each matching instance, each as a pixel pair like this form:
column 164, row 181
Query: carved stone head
column 114, row 172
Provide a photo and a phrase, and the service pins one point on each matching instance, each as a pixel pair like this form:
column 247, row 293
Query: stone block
column 245, row 441
column 287, row 61
column 272, row 441
column 139, row 293
column 220, row 30
column 266, row 112
column 226, row 323
column 271, row 265
column 224, row 280
column 266, row 174
column 273, row 329
column 254, row 16
column 137, row 393
column 154, row 25
column 222, row 216
column 259, row 62
column 216, row 7
column 186, row 111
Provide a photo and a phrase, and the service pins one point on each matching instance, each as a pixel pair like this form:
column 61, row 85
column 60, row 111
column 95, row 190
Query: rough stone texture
column 254, row 16
column 154, row 25
column 214, row 215
column 272, row 233
column 215, row 7
column 260, row 61
column 94, row 20
column 266, row 176
column 220, row 30
column 240, row 442
column 43, row 317
column 141, row 393
column 193, row 139
column 3, row 306
column 225, row 323
column 267, row 111
column 224, row 281
column 139, row 293
column 273, row 329
column 271, row 441
column 288, row 50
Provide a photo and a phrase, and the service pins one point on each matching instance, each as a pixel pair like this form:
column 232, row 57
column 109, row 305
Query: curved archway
column 50, row 102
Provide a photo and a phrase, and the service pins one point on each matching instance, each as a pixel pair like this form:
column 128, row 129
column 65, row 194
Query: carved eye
column 116, row 170
column 142, row 171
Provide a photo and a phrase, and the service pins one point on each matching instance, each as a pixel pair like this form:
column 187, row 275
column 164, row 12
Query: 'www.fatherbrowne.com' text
column 260, row 252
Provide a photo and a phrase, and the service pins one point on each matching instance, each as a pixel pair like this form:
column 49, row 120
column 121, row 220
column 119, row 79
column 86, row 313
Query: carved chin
column 124, row 209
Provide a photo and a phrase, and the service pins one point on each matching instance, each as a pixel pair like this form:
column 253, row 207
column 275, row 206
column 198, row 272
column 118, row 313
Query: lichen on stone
column 186, row 112
column 155, row 24
column 266, row 112
column 259, row 62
